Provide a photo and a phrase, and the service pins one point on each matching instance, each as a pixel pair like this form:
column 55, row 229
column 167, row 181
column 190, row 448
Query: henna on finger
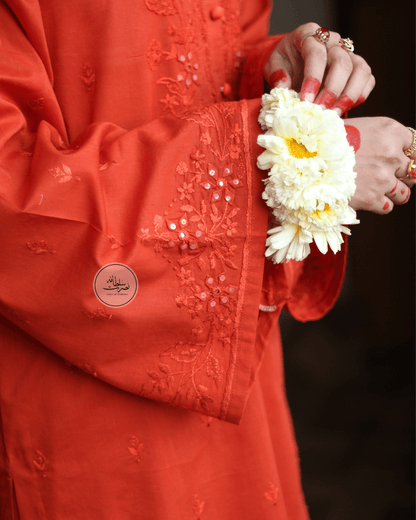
column 310, row 89
column 343, row 104
column 394, row 189
column 359, row 101
column 277, row 78
column 326, row 99
column 408, row 196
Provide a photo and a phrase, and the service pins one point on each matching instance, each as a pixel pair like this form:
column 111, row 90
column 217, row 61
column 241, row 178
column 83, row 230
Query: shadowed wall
column 350, row 376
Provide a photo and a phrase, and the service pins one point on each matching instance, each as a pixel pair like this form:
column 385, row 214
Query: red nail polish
column 310, row 86
column 327, row 98
column 360, row 100
column 278, row 75
column 386, row 205
column 344, row 103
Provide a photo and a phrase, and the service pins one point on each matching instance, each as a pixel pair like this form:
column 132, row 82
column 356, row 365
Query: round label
column 115, row 285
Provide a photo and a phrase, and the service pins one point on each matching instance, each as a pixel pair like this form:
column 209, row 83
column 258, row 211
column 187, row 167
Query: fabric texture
column 132, row 267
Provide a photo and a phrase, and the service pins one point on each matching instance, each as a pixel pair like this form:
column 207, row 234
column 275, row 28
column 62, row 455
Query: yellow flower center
column 318, row 214
column 298, row 150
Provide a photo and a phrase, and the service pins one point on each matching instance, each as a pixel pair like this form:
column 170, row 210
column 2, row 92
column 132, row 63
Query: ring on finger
column 321, row 35
column 345, row 43
column 412, row 147
column 411, row 170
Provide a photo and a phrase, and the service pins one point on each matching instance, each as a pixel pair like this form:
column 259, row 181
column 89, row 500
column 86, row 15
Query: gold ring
column 345, row 43
column 321, row 34
column 412, row 147
column 411, row 170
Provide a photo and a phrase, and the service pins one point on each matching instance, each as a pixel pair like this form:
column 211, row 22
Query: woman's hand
column 325, row 74
column 381, row 164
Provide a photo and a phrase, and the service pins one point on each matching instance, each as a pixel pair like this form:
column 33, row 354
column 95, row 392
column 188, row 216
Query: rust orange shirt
column 132, row 267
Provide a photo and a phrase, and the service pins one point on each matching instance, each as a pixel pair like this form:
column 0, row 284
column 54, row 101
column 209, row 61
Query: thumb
column 279, row 78
column 277, row 71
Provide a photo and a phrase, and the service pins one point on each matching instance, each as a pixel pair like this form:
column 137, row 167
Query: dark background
column 350, row 376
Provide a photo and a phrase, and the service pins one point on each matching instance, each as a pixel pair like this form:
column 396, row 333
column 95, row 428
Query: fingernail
column 344, row 104
column 386, row 205
column 360, row 100
column 326, row 98
column 310, row 89
column 278, row 78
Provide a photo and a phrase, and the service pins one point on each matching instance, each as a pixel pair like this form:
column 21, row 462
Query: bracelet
column 311, row 175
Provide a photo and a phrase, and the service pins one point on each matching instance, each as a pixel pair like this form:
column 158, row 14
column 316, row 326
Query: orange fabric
column 132, row 268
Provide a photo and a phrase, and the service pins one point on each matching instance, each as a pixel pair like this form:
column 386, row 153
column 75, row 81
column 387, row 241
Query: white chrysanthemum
column 311, row 176
column 278, row 100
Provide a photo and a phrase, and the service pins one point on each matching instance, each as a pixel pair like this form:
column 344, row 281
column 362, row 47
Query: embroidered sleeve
column 136, row 256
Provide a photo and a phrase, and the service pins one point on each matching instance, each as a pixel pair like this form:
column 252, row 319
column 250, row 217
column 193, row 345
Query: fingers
column 278, row 70
column 358, row 87
column 400, row 193
column 319, row 64
column 279, row 78
column 315, row 58
column 349, row 80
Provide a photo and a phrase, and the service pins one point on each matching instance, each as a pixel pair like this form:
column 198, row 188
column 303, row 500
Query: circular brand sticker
column 115, row 285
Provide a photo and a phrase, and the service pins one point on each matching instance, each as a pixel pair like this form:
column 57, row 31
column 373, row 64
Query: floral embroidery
column 198, row 506
column 88, row 76
column 63, row 173
column 41, row 463
column 40, row 248
column 135, row 447
column 99, row 315
column 154, row 54
column 164, row 7
column 272, row 493
column 195, row 238
column 115, row 243
column 188, row 60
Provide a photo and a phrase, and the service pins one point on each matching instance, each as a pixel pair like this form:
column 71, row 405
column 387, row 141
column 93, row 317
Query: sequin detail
column 202, row 255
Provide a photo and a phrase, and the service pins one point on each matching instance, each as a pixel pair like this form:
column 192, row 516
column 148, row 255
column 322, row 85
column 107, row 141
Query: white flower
column 311, row 177
column 278, row 100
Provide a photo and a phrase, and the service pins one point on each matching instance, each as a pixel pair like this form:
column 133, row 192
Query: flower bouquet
column 311, row 175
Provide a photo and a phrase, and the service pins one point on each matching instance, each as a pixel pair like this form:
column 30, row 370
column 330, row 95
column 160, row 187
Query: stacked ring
column 345, row 43
column 321, row 34
column 412, row 147
column 411, row 170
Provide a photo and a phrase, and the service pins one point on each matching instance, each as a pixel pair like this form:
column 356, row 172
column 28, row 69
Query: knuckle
column 372, row 82
column 308, row 27
column 362, row 65
column 318, row 54
column 345, row 63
